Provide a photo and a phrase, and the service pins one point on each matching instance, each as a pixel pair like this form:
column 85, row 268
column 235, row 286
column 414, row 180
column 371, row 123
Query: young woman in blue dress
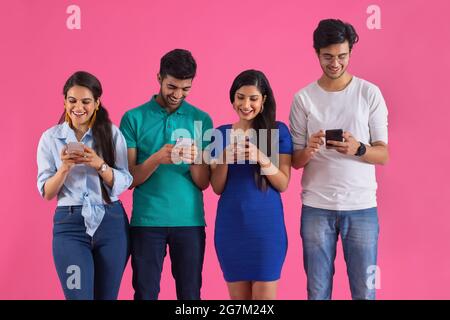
column 249, row 173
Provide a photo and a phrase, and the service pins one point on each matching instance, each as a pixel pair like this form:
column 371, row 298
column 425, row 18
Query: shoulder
column 53, row 132
column 283, row 129
column 196, row 112
column 307, row 90
column 366, row 88
column 224, row 127
column 281, row 125
column 137, row 111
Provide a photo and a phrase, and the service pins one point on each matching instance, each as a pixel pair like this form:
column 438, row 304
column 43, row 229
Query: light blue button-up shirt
column 82, row 185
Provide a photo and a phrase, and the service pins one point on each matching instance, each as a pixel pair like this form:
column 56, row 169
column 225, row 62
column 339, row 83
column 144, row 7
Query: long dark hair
column 102, row 126
column 265, row 119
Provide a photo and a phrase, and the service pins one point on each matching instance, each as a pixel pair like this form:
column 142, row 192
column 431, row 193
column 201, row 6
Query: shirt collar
column 64, row 131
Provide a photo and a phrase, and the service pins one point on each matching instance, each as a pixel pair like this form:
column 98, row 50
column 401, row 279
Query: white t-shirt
column 332, row 180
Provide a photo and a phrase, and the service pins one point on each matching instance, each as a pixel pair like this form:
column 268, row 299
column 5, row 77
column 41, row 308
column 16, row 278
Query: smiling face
column 80, row 105
column 173, row 91
column 248, row 102
column 334, row 60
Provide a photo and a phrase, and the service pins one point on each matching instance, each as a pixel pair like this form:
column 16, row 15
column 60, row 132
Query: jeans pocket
column 63, row 214
column 115, row 210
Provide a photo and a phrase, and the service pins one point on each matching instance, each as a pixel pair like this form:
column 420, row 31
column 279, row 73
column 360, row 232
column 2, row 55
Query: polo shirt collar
column 182, row 109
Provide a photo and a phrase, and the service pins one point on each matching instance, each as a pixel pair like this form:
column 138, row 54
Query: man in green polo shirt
column 168, row 179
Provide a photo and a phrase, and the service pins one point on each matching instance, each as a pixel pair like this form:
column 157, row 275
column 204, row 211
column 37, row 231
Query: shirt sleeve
column 122, row 177
column 298, row 124
column 378, row 117
column 45, row 162
column 285, row 139
column 128, row 130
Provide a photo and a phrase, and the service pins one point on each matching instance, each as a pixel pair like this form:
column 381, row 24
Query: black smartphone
column 335, row 135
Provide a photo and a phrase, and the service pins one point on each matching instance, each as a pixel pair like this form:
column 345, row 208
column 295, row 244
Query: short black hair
column 333, row 31
column 178, row 63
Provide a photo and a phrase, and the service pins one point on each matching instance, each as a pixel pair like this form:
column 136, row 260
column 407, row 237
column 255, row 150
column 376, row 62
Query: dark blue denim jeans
column 320, row 230
column 90, row 267
column 186, row 249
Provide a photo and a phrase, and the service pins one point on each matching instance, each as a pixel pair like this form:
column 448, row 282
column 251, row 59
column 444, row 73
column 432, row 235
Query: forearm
column 279, row 181
column 200, row 175
column 55, row 183
column 300, row 158
column 219, row 174
column 144, row 170
column 376, row 154
column 108, row 177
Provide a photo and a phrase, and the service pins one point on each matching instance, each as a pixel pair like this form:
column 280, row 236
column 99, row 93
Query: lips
column 334, row 70
column 79, row 114
column 246, row 112
column 174, row 101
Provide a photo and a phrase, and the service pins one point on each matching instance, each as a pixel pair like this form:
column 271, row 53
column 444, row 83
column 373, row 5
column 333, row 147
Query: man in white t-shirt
column 338, row 182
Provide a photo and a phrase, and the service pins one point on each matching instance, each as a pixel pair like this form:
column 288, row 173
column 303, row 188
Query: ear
column 158, row 77
column 264, row 99
column 97, row 103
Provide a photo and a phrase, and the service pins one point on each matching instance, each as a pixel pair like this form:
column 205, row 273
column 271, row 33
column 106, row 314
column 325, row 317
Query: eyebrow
column 329, row 54
column 172, row 85
column 251, row 96
column 70, row 97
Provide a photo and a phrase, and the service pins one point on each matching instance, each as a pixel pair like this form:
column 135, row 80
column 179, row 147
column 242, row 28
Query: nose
column 335, row 62
column 178, row 93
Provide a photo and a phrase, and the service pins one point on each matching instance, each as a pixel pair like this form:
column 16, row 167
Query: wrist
column 64, row 168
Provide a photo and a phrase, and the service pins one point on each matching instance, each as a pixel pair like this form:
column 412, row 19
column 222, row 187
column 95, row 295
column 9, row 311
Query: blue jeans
column 320, row 230
column 148, row 249
column 90, row 267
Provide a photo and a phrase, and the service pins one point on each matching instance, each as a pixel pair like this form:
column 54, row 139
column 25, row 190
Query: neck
column 162, row 104
column 339, row 84
column 80, row 130
column 243, row 124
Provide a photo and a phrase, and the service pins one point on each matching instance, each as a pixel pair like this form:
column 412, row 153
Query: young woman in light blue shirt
column 83, row 162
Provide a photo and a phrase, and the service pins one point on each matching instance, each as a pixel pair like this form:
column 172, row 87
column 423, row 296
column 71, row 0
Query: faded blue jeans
column 90, row 267
column 320, row 229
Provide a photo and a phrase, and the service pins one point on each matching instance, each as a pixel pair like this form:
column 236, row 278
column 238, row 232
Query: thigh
column 187, row 246
column 318, row 227
column 73, row 256
column 359, row 228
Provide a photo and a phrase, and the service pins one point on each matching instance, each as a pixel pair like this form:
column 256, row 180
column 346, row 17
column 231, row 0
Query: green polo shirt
column 169, row 197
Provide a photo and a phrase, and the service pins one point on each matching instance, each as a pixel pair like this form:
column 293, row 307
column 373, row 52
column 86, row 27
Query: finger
column 347, row 135
column 342, row 150
column 88, row 150
column 336, row 143
column 319, row 134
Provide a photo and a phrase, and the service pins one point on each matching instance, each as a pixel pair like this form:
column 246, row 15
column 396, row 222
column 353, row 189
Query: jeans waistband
column 79, row 207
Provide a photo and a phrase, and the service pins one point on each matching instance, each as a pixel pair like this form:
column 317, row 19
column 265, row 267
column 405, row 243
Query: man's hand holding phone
column 184, row 151
column 315, row 141
column 346, row 144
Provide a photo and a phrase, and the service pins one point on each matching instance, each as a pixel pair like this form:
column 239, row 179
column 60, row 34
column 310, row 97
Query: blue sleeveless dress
column 250, row 235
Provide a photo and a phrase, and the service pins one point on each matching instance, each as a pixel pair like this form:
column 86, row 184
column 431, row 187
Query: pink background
column 121, row 42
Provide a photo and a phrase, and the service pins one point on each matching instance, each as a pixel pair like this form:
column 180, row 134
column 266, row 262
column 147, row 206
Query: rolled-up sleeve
column 122, row 177
column 298, row 124
column 45, row 162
